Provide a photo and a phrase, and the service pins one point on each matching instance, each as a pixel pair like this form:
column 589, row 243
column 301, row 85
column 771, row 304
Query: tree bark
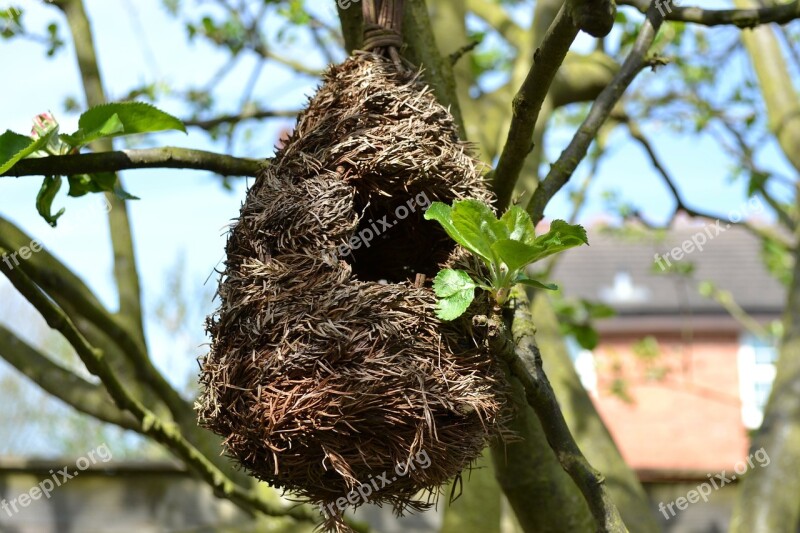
column 586, row 425
column 478, row 506
column 769, row 497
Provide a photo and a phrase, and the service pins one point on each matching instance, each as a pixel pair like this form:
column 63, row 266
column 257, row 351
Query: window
column 757, row 357
column 624, row 290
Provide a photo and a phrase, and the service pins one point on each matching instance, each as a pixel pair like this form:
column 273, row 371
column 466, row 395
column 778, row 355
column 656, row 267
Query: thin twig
column 461, row 52
column 256, row 114
column 680, row 203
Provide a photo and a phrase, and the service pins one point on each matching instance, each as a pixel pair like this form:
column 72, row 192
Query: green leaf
column 462, row 223
column 14, row 147
column 537, row 284
column 518, row 225
column 103, row 182
column 478, row 227
column 442, row 213
column 126, row 118
column 758, row 181
column 111, row 127
column 516, row 254
column 562, row 236
column 44, row 200
column 586, row 336
column 455, row 290
column 122, row 194
column 597, row 310
column 81, row 184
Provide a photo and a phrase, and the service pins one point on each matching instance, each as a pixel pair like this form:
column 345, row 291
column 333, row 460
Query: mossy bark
column 769, row 498
column 542, row 495
column 586, row 425
column 478, row 505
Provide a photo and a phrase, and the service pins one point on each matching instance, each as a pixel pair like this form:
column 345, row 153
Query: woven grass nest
column 327, row 364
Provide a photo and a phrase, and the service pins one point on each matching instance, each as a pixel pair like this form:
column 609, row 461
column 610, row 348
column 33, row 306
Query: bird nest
column 328, row 367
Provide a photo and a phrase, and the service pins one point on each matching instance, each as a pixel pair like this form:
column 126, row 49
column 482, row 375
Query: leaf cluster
column 100, row 122
column 506, row 246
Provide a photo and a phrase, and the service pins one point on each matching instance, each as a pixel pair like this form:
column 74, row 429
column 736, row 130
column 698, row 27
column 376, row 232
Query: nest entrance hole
column 393, row 242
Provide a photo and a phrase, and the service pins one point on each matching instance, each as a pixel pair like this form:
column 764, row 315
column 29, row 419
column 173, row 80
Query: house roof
column 624, row 271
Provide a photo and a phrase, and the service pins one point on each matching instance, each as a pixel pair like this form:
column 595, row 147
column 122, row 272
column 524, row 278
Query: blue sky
column 186, row 212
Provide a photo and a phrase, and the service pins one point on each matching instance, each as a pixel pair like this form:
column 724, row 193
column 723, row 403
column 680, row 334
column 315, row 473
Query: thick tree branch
column 586, row 425
column 60, row 382
column 743, row 18
column 167, row 157
column 528, row 471
column 126, row 354
column 165, row 433
column 602, row 107
column 582, row 77
column 528, row 103
column 523, row 357
column 351, row 20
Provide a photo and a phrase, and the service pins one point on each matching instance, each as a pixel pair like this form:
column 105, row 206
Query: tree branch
column 126, row 274
column 768, row 498
column 742, row 18
column 523, row 357
column 126, row 354
column 747, row 159
column 680, row 203
column 422, row 50
column 167, row 157
column 462, row 51
column 569, row 159
column 528, row 103
column 351, row 20
column 60, row 382
column 256, row 114
column 71, row 294
column 151, row 425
